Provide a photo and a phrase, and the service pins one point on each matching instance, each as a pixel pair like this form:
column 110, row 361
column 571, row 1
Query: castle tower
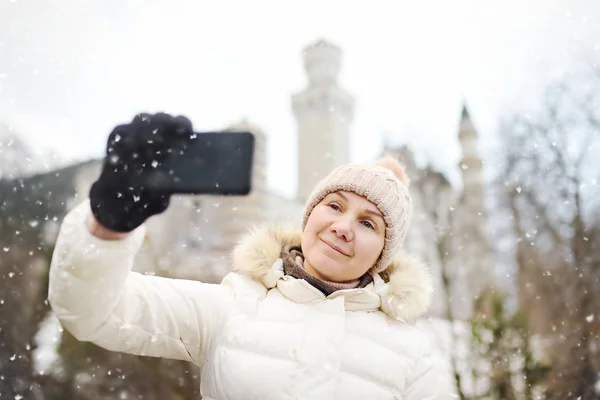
column 474, row 254
column 323, row 113
column 471, row 165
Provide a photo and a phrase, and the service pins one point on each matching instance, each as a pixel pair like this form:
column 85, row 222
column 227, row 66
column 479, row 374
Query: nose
column 343, row 229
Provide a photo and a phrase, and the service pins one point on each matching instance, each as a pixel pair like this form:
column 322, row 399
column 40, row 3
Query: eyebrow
column 375, row 213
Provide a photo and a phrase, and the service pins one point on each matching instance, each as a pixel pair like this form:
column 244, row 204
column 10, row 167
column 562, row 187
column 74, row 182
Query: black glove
column 123, row 197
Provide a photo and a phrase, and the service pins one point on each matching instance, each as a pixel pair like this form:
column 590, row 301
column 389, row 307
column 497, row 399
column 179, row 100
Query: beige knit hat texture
column 384, row 184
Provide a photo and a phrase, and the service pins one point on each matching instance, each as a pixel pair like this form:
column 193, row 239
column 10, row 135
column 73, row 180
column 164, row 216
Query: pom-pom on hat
column 384, row 184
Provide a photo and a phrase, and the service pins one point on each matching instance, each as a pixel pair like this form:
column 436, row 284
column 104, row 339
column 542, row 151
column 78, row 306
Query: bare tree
column 549, row 173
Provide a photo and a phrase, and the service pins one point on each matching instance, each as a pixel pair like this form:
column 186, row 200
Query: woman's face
column 343, row 237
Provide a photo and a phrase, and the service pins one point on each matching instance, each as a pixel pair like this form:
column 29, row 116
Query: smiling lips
column 334, row 247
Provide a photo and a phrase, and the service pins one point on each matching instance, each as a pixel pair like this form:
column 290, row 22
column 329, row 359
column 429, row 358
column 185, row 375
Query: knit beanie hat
column 384, row 184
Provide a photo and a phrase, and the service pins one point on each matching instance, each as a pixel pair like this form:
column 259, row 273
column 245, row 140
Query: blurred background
column 492, row 106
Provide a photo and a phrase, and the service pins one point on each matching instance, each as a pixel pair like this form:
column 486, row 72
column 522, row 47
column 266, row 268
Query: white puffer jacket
column 258, row 334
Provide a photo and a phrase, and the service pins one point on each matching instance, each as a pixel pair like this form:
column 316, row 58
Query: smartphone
column 218, row 163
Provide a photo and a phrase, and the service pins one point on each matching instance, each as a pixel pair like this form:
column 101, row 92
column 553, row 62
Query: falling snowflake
column 589, row 318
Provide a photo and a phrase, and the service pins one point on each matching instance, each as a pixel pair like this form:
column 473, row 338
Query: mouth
column 335, row 248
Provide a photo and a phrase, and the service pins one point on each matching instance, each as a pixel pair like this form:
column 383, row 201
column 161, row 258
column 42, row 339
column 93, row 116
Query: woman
column 324, row 313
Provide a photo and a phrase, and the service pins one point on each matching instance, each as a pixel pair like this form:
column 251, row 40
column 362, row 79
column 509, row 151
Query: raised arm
column 99, row 299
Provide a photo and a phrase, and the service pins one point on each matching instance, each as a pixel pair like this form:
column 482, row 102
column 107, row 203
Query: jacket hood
column 405, row 287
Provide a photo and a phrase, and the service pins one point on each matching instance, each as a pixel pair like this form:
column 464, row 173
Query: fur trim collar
column 404, row 288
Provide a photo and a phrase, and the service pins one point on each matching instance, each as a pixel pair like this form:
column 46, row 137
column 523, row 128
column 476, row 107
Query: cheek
column 317, row 218
column 370, row 249
column 309, row 237
column 315, row 224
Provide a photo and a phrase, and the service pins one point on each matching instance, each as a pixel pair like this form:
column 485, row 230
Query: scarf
column 293, row 261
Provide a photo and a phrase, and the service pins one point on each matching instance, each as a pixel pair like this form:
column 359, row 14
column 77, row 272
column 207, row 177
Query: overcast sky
column 72, row 69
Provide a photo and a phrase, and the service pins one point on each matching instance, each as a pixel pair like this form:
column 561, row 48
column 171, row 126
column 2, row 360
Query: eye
column 334, row 206
column 368, row 225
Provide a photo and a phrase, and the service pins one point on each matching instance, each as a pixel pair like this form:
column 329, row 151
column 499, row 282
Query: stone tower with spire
column 323, row 113
column 474, row 256
column 471, row 165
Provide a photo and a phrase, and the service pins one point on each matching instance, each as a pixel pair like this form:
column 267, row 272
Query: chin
column 327, row 268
